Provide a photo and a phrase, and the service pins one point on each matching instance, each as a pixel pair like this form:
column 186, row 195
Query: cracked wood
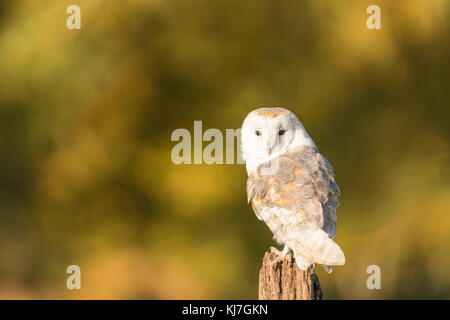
column 285, row 281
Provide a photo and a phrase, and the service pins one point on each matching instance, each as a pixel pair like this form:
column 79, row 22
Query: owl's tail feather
column 317, row 247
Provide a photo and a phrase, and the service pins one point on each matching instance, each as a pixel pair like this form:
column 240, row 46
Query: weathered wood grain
column 285, row 281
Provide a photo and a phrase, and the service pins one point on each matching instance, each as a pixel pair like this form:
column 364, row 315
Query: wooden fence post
column 285, row 281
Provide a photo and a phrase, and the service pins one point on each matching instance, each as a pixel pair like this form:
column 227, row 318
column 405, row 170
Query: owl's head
column 268, row 132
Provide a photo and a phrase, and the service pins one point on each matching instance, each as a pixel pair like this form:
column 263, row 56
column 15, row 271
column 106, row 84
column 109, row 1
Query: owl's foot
column 280, row 254
column 302, row 263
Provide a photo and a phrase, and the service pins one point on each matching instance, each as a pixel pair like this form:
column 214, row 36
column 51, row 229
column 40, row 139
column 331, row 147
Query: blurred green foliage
column 86, row 117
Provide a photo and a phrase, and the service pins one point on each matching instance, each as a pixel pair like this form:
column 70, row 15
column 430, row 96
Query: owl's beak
column 269, row 150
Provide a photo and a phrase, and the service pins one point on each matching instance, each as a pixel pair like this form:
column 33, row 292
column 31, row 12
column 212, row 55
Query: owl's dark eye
column 258, row 133
column 281, row 132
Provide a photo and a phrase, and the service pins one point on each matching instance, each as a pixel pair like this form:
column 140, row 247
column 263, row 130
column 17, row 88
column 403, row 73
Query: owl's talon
column 303, row 264
column 275, row 250
column 280, row 254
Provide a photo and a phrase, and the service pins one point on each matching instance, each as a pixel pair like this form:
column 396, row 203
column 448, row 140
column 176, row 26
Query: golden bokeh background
column 86, row 117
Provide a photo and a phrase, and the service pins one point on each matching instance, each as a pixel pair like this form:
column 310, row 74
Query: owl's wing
column 298, row 202
column 257, row 187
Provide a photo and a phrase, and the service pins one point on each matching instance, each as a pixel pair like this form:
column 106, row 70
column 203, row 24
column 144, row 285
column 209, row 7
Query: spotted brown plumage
column 298, row 202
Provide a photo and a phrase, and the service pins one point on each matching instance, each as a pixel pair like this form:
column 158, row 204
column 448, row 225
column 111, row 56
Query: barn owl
column 291, row 187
